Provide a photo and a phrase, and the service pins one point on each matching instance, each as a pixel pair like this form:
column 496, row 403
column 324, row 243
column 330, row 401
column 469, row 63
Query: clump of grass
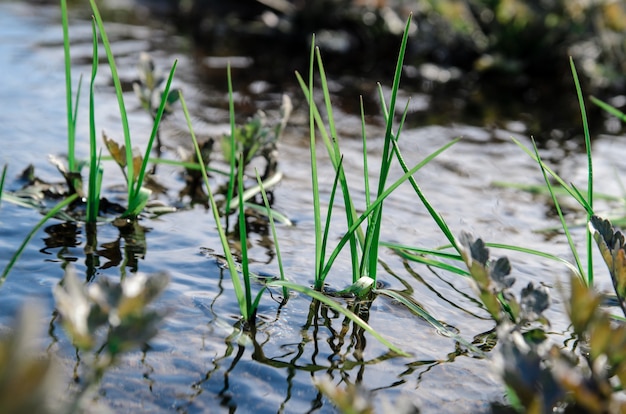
column 364, row 245
column 249, row 302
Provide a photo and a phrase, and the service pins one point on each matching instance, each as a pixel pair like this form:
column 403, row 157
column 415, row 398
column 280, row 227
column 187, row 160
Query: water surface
column 195, row 364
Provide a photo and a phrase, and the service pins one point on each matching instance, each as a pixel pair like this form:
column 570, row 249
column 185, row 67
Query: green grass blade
column 379, row 200
column 232, row 267
column 314, row 294
column 439, row 220
column 335, row 154
column 93, row 196
column 243, row 240
column 2, row 178
column 542, row 189
column 437, row 252
column 155, row 130
column 270, row 216
column 275, row 215
column 71, row 126
column 537, row 253
column 610, row 109
column 252, row 191
column 366, row 173
column 581, row 200
column 324, row 134
column 315, row 186
column 418, row 310
column 32, row 233
column 557, row 206
column 432, row 263
column 583, row 113
column 130, row 173
column 233, row 148
column 373, row 231
column 319, row 283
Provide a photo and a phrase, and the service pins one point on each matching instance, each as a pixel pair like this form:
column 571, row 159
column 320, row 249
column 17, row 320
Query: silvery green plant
column 105, row 319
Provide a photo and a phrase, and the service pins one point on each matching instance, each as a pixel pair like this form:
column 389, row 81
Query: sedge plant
column 134, row 168
column 364, row 246
column 247, row 303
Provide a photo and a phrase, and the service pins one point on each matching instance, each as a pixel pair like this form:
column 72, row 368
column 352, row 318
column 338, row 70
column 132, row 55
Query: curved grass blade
column 314, row 294
column 583, row 114
column 537, row 253
column 576, row 195
column 270, row 215
column 418, row 310
column 32, row 233
column 542, row 189
column 275, row 215
column 252, row 191
column 232, row 268
column 557, row 206
column 608, row 108
column 373, row 231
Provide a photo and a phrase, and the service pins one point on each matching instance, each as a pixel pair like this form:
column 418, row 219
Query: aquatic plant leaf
column 500, row 273
column 476, row 248
column 476, row 255
column 75, row 308
column 534, row 300
column 611, row 246
column 117, row 152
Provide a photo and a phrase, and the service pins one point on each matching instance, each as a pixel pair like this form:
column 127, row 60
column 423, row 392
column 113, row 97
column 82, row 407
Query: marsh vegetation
column 298, row 257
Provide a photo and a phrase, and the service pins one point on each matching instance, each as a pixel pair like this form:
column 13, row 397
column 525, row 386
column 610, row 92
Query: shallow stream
column 195, row 364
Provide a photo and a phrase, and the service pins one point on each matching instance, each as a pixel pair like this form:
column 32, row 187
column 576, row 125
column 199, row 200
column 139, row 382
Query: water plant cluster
column 104, row 319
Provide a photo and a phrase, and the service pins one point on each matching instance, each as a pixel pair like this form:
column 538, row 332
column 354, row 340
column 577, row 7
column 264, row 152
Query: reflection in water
column 342, row 350
column 62, row 236
column 131, row 234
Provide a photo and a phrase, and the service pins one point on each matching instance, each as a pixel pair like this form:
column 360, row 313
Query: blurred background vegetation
column 480, row 62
